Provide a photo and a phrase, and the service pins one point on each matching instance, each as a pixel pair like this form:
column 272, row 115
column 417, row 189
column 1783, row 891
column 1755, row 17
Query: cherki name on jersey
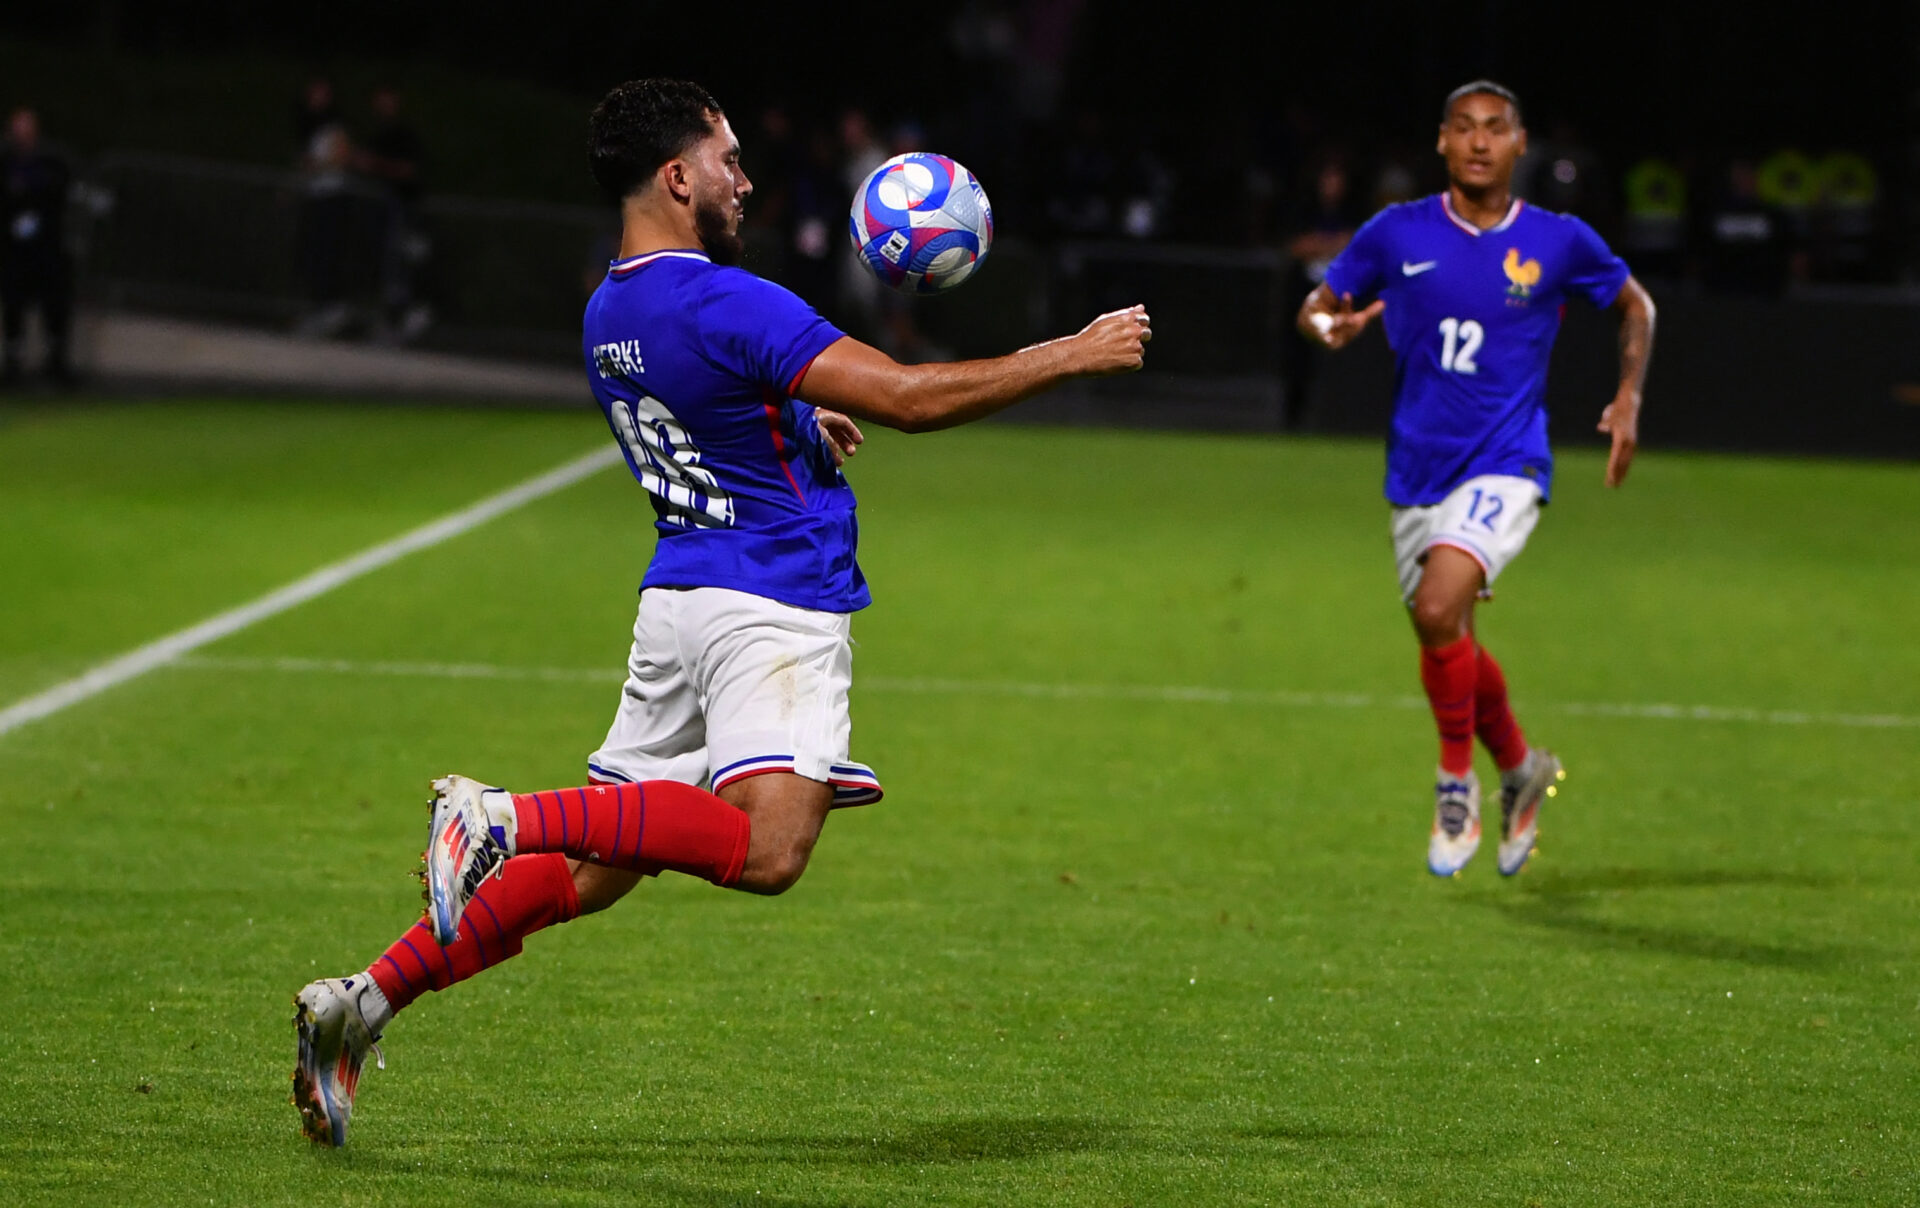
column 619, row 359
column 1470, row 344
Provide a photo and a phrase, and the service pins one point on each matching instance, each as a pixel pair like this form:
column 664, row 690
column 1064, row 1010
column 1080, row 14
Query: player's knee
column 775, row 871
column 1437, row 620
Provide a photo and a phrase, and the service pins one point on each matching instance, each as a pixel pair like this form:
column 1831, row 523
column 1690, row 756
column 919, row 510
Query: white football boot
column 469, row 837
column 337, row 1020
column 1456, row 823
column 1522, row 790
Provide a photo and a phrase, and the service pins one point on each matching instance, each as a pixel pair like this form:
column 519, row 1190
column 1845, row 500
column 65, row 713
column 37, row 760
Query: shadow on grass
column 857, row 1170
column 1564, row 901
column 968, row 1139
column 655, row 1169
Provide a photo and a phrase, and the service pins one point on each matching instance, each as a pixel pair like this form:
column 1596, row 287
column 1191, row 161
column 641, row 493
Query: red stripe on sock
column 531, row 893
column 1449, row 674
column 646, row 827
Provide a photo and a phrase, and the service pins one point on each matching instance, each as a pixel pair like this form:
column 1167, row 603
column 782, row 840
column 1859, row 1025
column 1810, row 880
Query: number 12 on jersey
column 1459, row 344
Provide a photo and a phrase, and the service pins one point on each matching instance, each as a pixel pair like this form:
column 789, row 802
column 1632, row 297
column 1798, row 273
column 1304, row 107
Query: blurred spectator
column 817, row 224
column 985, row 39
column 1747, row 242
column 394, row 158
column 1324, row 224
column 35, row 270
column 316, row 110
column 1561, row 173
column 860, row 153
column 1149, row 185
column 1654, row 238
column 1396, row 181
column 1047, row 37
column 770, row 163
column 1321, row 227
column 326, row 154
column 1084, row 184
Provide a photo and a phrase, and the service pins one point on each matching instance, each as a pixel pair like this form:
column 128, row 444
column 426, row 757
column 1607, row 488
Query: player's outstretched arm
column 1332, row 321
column 1621, row 419
column 868, row 384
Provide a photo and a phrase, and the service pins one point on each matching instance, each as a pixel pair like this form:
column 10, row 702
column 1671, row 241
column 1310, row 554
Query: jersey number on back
column 669, row 465
column 1459, row 344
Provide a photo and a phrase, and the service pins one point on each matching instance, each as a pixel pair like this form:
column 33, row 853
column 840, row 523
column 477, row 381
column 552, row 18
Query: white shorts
column 723, row 685
column 1489, row 517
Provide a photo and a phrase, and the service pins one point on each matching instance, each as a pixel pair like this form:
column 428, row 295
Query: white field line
column 138, row 662
column 1156, row 693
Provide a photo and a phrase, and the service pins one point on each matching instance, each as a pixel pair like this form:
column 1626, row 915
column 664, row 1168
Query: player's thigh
column 774, row 682
column 1442, row 605
column 659, row 730
column 1488, row 519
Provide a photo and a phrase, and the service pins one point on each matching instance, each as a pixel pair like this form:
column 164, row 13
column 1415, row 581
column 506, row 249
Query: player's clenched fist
column 1116, row 342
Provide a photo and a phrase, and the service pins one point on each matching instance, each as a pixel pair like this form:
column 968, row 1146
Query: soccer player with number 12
column 1472, row 283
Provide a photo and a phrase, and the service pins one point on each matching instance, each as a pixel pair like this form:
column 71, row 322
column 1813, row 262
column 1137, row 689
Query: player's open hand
column 1340, row 326
column 1621, row 420
column 1116, row 342
column 842, row 435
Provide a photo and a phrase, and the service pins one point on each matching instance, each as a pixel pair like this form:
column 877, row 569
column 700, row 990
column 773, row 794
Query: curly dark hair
column 642, row 124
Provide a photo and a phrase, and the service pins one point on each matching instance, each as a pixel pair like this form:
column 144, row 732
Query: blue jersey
column 695, row 366
column 1471, row 316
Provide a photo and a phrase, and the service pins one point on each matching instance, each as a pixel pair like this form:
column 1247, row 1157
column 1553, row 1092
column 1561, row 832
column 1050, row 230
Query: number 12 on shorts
column 1485, row 508
column 1459, row 344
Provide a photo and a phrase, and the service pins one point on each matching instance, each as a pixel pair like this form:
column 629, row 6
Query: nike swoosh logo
column 1414, row 270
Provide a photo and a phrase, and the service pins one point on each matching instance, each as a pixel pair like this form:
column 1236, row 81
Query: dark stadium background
column 327, row 509
column 1152, row 154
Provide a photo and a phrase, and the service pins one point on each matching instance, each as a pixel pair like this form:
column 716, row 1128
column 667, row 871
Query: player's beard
column 721, row 245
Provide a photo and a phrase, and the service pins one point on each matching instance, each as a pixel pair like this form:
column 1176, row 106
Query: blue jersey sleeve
column 761, row 332
column 1593, row 271
column 1360, row 268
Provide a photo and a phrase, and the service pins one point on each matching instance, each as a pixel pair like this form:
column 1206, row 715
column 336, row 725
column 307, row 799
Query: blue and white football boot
column 337, row 1020
column 1456, row 823
column 1522, row 790
column 469, row 838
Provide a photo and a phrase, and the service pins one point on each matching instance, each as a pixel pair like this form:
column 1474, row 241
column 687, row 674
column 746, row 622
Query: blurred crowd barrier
column 1824, row 368
column 196, row 238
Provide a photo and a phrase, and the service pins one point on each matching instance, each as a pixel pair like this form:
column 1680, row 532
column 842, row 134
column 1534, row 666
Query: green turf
column 1093, row 949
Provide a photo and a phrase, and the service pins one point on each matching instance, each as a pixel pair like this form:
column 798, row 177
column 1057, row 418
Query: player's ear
column 673, row 177
column 1440, row 141
column 1520, row 143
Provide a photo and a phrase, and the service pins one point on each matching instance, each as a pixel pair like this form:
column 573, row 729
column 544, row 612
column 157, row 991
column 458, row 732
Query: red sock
column 645, row 827
column 1493, row 719
column 532, row 892
column 1449, row 673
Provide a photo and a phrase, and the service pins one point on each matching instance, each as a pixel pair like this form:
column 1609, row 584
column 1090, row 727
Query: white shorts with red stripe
column 723, row 685
column 1488, row 518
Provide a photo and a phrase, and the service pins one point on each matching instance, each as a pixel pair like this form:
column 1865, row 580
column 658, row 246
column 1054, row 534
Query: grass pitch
column 1144, row 919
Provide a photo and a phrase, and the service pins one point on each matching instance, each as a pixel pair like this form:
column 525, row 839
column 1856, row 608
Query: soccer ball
column 921, row 223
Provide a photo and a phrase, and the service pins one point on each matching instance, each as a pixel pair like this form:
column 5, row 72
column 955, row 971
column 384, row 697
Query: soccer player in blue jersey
column 741, row 661
column 1470, row 285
